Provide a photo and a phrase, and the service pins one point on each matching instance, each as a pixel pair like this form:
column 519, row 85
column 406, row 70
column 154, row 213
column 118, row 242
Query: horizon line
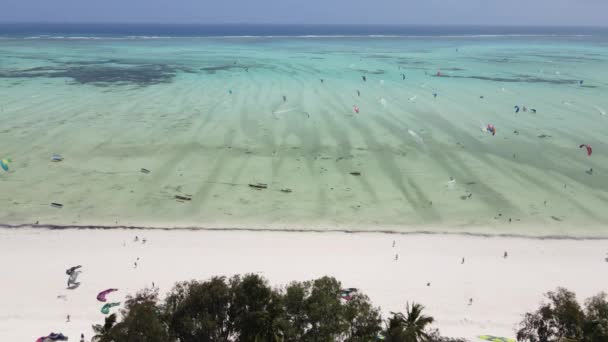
column 303, row 24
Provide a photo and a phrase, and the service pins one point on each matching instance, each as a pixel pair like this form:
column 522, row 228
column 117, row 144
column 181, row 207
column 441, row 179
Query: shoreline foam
column 282, row 229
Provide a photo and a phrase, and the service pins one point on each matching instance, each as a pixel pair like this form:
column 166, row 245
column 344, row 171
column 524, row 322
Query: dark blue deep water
column 120, row 30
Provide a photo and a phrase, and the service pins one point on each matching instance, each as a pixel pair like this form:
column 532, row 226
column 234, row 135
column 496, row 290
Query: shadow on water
column 102, row 75
column 414, row 195
column 517, row 79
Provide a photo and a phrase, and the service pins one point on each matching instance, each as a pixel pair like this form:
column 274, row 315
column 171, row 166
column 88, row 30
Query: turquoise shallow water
column 207, row 117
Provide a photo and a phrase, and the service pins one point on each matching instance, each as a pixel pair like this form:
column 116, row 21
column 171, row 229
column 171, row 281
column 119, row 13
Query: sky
column 433, row 12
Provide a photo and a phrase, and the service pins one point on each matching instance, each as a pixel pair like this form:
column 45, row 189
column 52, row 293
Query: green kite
column 496, row 339
column 106, row 308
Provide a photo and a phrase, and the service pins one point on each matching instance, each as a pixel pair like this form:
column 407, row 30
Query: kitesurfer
column 588, row 147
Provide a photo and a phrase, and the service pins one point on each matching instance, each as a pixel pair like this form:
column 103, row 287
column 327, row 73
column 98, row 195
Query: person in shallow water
column 364, row 78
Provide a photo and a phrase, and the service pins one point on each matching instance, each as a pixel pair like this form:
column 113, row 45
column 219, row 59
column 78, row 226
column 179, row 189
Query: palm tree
column 410, row 327
column 103, row 332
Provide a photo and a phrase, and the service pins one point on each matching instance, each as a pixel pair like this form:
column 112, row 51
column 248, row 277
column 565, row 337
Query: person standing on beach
column 462, row 262
column 505, row 255
column 68, row 319
column 81, row 337
column 396, row 257
column 393, row 243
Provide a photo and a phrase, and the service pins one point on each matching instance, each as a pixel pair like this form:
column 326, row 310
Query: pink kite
column 101, row 296
column 491, row 129
column 588, row 147
column 356, row 109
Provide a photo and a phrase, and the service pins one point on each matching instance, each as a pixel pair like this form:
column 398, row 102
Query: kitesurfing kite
column 4, row 163
column 71, row 270
column 416, row 137
column 52, row 337
column 588, row 147
column 491, row 129
column 106, row 308
column 495, row 339
column 73, row 279
column 347, row 294
column 101, row 296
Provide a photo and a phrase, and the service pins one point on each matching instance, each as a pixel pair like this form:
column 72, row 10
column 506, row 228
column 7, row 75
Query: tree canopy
column 247, row 309
column 562, row 319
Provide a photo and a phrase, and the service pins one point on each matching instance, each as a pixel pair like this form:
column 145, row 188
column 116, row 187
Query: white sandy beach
column 33, row 263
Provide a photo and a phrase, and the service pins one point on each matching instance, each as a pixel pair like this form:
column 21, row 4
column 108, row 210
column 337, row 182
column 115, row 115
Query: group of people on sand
column 72, row 273
column 505, row 255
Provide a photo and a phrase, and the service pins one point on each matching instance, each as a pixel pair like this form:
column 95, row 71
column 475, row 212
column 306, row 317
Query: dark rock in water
column 286, row 190
column 356, row 173
column 227, row 67
column 259, row 186
column 344, row 157
column 56, row 205
column 145, row 170
column 542, row 136
column 182, row 198
column 466, row 197
column 556, row 218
